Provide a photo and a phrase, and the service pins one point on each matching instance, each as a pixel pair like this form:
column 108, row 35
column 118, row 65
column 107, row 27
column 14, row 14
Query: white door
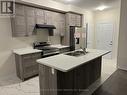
column 104, row 38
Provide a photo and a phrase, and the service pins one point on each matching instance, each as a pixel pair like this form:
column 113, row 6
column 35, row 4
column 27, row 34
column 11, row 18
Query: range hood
column 44, row 26
column 50, row 28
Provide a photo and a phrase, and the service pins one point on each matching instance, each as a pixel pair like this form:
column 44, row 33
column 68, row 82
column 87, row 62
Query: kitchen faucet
column 84, row 50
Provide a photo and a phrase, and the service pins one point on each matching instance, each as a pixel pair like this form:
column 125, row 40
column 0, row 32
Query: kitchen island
column 69, row 75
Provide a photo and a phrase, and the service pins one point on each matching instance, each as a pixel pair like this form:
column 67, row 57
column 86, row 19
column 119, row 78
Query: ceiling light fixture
column 101, row 8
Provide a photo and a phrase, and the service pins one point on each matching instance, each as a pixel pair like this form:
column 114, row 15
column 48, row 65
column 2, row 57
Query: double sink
column 77, row 53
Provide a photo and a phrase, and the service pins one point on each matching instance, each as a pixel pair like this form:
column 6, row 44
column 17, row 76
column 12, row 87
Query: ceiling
column 91, row 4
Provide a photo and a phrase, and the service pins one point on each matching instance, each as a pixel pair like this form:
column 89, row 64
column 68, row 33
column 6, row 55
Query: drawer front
column 31, row 71
column 30, row 66
column 30, row 59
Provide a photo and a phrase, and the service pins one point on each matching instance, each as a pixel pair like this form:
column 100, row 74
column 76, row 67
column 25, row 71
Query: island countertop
column 66, row 63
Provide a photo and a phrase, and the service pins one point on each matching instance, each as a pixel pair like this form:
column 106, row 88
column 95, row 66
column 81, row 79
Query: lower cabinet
column 74, row 82
column 26, row 65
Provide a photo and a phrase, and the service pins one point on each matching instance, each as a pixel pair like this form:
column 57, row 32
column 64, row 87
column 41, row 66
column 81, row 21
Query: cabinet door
column 49, row 17
column 30, row 66
column 72, row 20
column 48, row 80
column 55, row 22
column 30, row 26
column 30, row 20
column 78, row 20
column 19, row 22
column 40, row 18
column 30, row 11
column 19, row 26
column 62, row 24
column 81, row 80
column 19, row 10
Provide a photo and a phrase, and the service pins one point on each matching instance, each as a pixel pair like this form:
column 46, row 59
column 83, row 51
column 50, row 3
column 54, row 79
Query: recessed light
column 101, row 8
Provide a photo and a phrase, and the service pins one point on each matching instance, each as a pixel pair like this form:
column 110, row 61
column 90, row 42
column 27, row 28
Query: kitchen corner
column 25, row 59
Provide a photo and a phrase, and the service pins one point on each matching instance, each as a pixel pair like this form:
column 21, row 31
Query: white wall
column 8, row 43
column 89, row 18
column 122, row 45
column 111, row 16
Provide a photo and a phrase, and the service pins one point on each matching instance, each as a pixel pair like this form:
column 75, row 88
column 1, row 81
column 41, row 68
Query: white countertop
column 65, row 63
column 27, row 50
column 59, row 46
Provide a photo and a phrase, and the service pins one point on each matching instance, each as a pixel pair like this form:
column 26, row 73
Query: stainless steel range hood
column 50, row 28
column 44, row 26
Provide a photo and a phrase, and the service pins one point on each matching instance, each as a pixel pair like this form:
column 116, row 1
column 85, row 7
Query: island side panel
column 73, row 82
column 47, row 80
column 65, row 82
column 95, row 69
column 82, row 78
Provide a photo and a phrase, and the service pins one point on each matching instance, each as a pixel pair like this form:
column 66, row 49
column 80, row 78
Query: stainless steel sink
column 76, row 53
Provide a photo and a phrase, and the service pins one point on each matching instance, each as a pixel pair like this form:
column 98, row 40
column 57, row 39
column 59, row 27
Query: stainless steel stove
column 47, row 50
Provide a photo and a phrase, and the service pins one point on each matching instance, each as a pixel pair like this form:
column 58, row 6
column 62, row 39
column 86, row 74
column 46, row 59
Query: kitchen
column 28, row 41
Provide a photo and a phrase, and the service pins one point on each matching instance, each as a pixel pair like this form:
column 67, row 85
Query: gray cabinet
column 24, row 21
column 61, row 24
column 19, row 22
column 30, row 20
column 19, row 26
column 26, row 65
column 23, row 24
column 58, row 20
column 40, row 17
column 19, row 10
column 49, row 17
column 73, row 19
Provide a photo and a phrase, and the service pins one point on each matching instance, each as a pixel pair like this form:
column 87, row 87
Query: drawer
column 28, row 58
column 30, row 63
column 31, row 71
column 36, row 55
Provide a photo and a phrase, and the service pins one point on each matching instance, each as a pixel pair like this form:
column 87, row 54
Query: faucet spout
column 84, row 50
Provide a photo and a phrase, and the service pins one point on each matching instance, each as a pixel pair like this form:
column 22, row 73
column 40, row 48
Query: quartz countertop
column 27, row 50
column 65, row 63
column 59, row 46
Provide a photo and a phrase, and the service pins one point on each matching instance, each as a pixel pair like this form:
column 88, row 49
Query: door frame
column 95, row 37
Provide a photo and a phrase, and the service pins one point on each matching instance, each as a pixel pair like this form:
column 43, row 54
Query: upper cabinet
column 40, row 16
column 30, row 20
column 19, row 10
column 26, row 17
column 73, row 19
column 19, row 22
column 24, row 21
